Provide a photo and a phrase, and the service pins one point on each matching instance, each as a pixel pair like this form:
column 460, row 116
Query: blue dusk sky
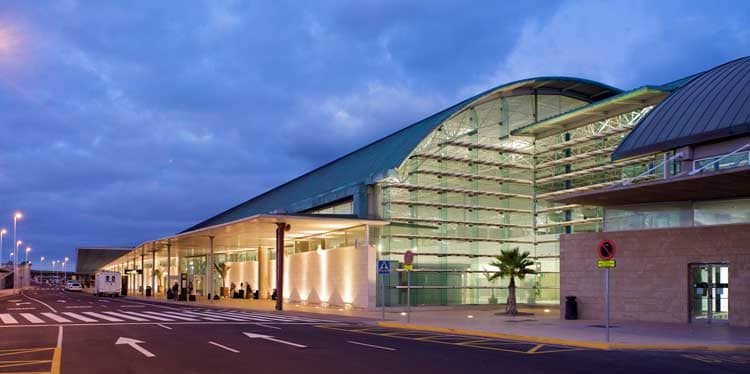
column 124, row 121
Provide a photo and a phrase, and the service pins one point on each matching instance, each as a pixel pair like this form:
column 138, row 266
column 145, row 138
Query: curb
column 567, row 342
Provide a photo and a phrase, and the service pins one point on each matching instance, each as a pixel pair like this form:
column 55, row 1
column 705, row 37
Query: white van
column 107, row 283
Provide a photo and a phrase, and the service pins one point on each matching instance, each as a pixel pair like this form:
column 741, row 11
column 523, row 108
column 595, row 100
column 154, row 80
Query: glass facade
column 341, row 207
column 677, row 214
column 471, row 189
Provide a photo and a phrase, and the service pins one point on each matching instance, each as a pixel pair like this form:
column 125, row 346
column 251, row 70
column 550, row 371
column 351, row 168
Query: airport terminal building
column 455, row 188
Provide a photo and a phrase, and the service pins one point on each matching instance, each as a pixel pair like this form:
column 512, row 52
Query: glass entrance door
column 709, row 293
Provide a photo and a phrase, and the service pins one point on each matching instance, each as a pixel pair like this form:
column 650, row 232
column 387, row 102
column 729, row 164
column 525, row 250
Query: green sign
column 605, row 264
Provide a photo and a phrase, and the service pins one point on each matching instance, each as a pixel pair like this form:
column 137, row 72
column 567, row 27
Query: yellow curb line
column 566, row 342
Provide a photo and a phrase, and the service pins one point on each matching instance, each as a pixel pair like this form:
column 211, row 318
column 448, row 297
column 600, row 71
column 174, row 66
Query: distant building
column 91, row 259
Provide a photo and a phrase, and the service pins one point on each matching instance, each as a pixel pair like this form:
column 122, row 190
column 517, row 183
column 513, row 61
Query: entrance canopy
column 252, row 232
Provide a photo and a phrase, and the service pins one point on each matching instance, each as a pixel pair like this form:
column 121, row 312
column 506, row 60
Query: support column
column 143, row 273
column 153, row 269
column 262, row 272
column 210, row 264
column 281, row 228
column 169, row 266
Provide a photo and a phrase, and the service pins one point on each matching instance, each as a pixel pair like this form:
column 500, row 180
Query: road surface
column 46, row 330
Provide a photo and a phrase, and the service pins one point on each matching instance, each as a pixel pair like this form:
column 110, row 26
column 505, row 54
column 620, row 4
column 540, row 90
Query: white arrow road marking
column 61, row 301
column 134, row 344
column 224, row 347
column 371, row 345
column 271, row 338
column 26, row 303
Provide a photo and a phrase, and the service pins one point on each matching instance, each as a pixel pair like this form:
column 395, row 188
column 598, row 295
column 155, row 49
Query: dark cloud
column 126, row 121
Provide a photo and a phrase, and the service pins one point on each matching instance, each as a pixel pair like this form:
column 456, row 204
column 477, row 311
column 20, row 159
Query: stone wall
column 650, row 282
column 335, row 276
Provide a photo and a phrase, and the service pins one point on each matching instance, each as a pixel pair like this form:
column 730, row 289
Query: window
column 345, row 207
column 722, row 212
column 726, row 162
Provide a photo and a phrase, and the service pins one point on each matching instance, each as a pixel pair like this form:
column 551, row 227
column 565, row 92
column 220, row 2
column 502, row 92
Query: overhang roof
column 724, row 184
column 711, row 106
column 596, row 111
column 250, row 232
column 374, row 160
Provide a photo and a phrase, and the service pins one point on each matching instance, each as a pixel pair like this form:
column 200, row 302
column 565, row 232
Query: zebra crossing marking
column 32, row 318
column 158, row 318
column 183, row 318
column 79, row 317
column 126, row 316
column 102, row 316
column 7, row 319
column 56, row 317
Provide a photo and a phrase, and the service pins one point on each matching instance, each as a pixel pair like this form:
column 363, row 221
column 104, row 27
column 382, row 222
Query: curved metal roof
column 713, row 105
column 375, row 159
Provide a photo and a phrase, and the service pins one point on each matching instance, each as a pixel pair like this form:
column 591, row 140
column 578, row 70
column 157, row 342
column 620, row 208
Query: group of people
column 243, row 292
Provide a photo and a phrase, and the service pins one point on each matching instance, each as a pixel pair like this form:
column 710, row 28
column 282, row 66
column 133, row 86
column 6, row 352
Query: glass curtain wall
column 470, row 190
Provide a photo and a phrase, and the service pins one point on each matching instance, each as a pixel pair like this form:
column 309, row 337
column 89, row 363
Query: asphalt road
column 48, row 330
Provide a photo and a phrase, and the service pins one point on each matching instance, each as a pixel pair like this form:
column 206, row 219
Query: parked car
column 74, row 286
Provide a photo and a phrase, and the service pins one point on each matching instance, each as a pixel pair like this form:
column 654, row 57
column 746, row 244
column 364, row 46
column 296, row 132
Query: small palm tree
column 512, row 264
column 222, row 269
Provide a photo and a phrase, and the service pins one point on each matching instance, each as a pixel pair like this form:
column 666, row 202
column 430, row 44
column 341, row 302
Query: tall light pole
column 28, row 249
column 15, row 263
column 54, row 273
column 16, row 217
column 65, row 274
column 41, row 265
column 2, row 232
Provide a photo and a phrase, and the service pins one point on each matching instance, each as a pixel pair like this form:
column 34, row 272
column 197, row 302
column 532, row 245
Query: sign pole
column 408, row 296
column 382, row 296
column 606, row 303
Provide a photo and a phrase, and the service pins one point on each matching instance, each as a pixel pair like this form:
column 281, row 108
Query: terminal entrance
column 709, row 293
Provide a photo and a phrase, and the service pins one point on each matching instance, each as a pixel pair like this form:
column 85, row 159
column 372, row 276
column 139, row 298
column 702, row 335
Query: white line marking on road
column 32, row 318
column 150, row 304
column 371, row 345
column 126, row 316
column 131, row 306
column 62, row 301
column 207, row 318
column 164, row 326
column 133, row 343
column 102, row 316
column 173, row 315
column 223, row 316
column 24, row 303
column 14, row 301
column 267, row 326
column 27, row 308
column 271, row 338
column 56, row 317
column 78, row 306
column 79, row 317
column 224, row 347
column 7, row 318
column 40, row 302
column 146, row 316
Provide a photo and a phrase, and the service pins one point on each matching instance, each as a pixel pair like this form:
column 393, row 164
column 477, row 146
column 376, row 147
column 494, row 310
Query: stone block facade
column 651, row 281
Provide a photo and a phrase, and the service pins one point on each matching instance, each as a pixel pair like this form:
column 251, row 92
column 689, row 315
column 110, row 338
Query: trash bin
column 148, row 291
column 571, row 307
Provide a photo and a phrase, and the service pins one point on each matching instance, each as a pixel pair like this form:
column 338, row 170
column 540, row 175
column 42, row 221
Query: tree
column 157, row 275
column 222, row 269
column 512, row 264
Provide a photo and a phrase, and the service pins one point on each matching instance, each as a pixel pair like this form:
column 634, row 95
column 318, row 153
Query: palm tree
column 512, row 264
column 222, row 269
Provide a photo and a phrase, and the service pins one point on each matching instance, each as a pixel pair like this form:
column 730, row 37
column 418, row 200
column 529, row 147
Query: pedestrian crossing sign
column 384, row 267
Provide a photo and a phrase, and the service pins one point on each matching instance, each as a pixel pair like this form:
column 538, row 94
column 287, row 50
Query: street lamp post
column 28, row 249
column 16, row 217
column 65, row 271
column 2, row 232
column 54, row 273
column 41, row 265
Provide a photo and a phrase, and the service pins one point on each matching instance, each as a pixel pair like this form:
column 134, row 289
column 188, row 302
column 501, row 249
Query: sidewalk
column 544, row 326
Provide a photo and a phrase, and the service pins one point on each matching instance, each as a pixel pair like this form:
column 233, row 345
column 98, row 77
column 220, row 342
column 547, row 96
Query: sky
column 125, row 121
